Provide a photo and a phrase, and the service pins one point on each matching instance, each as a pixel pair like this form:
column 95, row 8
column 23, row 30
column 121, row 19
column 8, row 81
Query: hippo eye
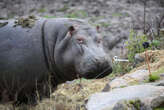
column 80, row 40
column 99, row 40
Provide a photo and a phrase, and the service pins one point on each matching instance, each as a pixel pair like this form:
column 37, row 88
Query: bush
column 134, row 44
column 121, row 67
column 155, row 43
column 156, row 75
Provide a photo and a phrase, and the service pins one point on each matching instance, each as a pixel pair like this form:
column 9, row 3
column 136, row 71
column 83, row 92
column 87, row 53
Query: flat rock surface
column 101, row 101
column 136, row 77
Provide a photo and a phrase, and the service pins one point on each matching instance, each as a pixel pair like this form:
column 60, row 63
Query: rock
column 2, row 24
column 140, row 96
column 138, row 58
column 159, row 83
column 106, row 88
column 133, row 78
column 135, row 104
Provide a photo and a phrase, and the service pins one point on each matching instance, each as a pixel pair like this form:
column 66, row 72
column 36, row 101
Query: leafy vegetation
column 155, row 43
column 156, row 75
column 121, row 67
column 28, row 22
column 41, row 10
column 77, row 14
column 162, row 108
column 64, row 8
column 104, row 24
column 46, row 16
column 134, row 45
column 116, row 14
column 136, row 103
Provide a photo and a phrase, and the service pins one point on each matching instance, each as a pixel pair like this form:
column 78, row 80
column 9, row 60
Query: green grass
column 156, row 75
column 136, row 103
column 81, row 80
column 162, row 108
column 64, row 8
column 116, row 14
column 93, row 19
column 104, row 24
column 121, row 67
column 46, row 16
column 41, row 10
column 77, row 14
column 10, row 15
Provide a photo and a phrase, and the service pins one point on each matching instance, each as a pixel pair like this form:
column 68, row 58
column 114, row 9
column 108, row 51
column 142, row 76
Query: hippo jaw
column 95, row 75
column 94, row 64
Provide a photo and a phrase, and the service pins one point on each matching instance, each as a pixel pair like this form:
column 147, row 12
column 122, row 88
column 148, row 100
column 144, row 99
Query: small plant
column 155, row 43
column 134, row 45
column 41, row 10
column 136, row 103
column 10, row 15
column 121, row 68
column 46, row 16
column 153, row 77
column 93, row 19
column 116, row 14
column 77, row 14
column 64, row 8
column 156, row 75
column 104, row 24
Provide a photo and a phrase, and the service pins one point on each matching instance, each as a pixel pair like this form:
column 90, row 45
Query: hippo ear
column 71, row 30
column 98, row 28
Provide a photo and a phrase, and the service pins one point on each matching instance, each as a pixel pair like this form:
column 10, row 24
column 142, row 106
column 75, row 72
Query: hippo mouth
column 98, row 74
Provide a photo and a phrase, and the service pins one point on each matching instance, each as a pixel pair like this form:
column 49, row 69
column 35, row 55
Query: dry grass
column 156, row 58
column 68, row 96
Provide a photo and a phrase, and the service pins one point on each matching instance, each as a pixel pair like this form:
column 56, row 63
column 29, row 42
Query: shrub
column 134, row 44
column 156, row 75
column 121, row 67
column 155, row 44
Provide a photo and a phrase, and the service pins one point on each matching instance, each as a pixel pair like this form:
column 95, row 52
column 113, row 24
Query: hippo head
column 81, row 53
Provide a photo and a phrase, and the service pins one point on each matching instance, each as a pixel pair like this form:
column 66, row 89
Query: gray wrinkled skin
column 70, row 53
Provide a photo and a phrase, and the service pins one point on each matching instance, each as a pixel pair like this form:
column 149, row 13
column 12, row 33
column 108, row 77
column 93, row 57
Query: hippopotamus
column 51, row 51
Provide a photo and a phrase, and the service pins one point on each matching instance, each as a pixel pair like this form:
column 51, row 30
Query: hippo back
column 21, row 56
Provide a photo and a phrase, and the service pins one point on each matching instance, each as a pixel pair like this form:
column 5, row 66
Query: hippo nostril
column 101, row 63
column 96, row 60
column 101, row 70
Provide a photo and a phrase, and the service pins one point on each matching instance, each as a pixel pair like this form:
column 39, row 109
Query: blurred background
column 115, row 17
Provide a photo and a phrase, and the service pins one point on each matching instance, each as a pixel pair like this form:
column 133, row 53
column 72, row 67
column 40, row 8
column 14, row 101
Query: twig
column 147, row 62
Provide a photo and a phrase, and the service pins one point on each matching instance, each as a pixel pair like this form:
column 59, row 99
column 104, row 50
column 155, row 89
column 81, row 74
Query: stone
column 149, row 97
column 137, row 77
